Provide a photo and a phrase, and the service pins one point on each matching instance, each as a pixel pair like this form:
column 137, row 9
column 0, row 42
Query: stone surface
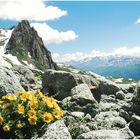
column 78, row 114
column 120, row 95
column 127, row 87
column 124, row 114
column 61, row 82
column 82, row 93
column 106, row 134
column 56, row 130
column 9, row 83
column 26, row 77
column 109, row 120
column 135, row 124
column 83, row 100
column 136, row 100
column 106, row 86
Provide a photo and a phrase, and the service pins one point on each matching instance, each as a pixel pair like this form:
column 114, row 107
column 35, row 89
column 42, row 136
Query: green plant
column 21, row 116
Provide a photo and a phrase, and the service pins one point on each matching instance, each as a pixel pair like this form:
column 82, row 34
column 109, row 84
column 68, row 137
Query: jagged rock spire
column 26, row 44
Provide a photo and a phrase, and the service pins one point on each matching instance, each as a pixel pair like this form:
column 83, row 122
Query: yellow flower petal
column 20, row 109
column 6, row 128
column 1, row 120
column 47, row 117
column 32, row 120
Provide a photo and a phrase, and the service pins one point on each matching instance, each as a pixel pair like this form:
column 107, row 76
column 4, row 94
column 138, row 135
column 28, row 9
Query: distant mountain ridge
column 117, row 66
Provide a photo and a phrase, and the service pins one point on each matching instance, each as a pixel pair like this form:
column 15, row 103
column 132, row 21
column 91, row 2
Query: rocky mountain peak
column 24, row 24
column 26, row 44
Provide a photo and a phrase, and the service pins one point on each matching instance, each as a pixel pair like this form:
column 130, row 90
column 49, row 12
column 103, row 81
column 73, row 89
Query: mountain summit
column 29, row 48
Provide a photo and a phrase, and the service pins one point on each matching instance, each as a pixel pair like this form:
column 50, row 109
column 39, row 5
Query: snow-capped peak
column 5, row 35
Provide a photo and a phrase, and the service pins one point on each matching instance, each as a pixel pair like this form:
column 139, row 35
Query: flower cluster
column 27, row 110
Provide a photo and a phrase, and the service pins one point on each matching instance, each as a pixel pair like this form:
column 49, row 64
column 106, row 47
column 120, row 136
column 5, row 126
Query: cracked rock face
column 28, row 46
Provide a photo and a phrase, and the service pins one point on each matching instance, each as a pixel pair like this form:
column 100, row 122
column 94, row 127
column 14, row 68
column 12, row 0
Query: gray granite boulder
column 9, row 83
column 136, row 100
column 26, row 77
column 109, row 120
column 81, row 100
column 61, row 82
column 120, row 95
column 56, row 130
column 107, row 134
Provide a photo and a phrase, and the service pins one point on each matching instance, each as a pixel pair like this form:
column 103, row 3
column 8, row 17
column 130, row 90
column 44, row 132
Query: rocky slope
column 94, row 107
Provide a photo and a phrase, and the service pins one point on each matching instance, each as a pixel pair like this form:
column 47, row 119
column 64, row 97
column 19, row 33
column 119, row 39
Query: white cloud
column 122, row 51
column 50, row 35
column 29, row 9
column 126, row 51
column 138, row 21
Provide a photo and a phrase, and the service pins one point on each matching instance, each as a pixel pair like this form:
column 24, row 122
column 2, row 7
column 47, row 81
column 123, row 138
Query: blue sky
column 101, row 26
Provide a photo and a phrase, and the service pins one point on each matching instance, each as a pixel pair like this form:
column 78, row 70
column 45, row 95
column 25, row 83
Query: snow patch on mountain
column 5, row 35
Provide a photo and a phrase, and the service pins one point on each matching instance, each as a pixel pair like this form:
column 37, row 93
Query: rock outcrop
column 29, row 47
column 61, row 82
column 17, row 78
column 9, row 83
column 56, row 130
column 107, row 134
column 81, row 100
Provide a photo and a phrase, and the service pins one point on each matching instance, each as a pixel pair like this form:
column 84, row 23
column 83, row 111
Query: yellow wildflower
column 32, row 120
column 40, row 94
column 4, row 97
column 20, row 109
column 52, row 99
column 58, row 113
column 55, row 105
column 11, row 97
column 29, row 95
column 6, row 128
column 47, row 117
column 1, row 120
column 47, row 102
column 31, row 112
column 23, row 97
column 33, row 103
column 4, row 106
column 1, row 102
column 19, row 125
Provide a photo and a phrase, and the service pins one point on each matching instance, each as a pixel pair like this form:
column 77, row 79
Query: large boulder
column 82, row 93
column 9, row 83
column 56, row 130
column 26, row 77
column 81, row 100
column 84, row 100
column 136, row 100
column 120, row 95
column 135, row 124
column 61, row 82
column 110, row 120
column 107, row 134
column 106, row 86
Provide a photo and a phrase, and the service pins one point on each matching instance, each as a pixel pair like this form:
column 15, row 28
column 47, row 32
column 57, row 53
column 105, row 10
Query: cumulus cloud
column 122, row 51
column 137, row 21
column 50, row 35
column 29, row 9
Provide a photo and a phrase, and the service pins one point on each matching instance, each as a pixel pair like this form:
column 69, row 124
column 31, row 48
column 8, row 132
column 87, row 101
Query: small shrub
column 23, row 115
